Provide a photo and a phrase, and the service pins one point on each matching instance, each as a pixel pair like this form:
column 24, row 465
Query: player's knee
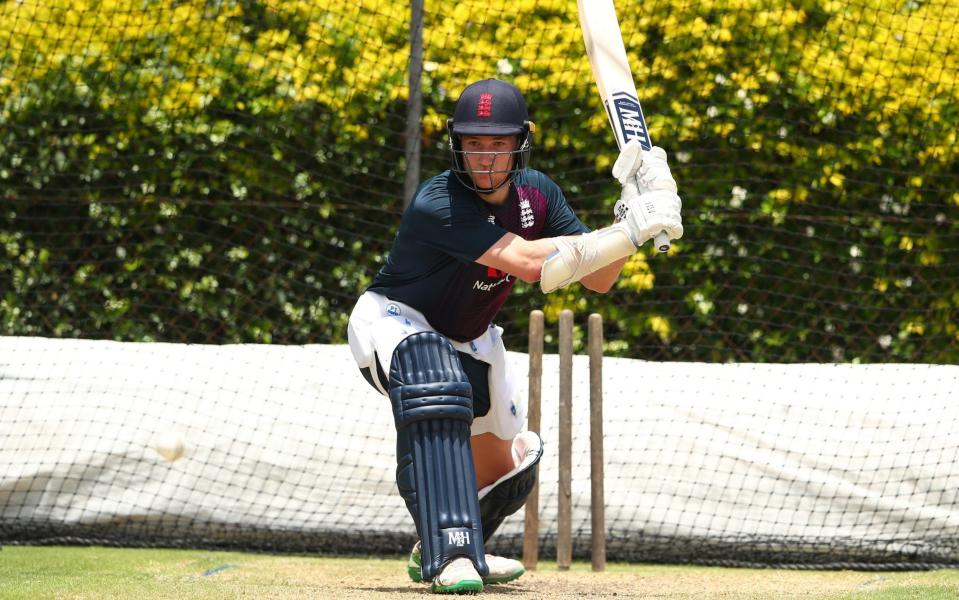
column 508, row 495
column 427, row 381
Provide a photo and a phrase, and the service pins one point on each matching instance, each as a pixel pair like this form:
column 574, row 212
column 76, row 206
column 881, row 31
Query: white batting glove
column 649, row 168
column 645, row 215
column 649, row 200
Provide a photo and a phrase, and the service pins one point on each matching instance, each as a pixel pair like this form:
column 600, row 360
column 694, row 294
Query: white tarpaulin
column 288, row 448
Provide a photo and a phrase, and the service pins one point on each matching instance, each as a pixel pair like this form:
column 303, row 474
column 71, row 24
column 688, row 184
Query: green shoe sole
column 414, row 572
column 414, row 566
column 504, row 579
column 415, row 575
column 462, row 587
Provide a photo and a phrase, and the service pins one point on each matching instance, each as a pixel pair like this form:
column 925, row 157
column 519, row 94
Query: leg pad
column 508, row 494
column 432, row 411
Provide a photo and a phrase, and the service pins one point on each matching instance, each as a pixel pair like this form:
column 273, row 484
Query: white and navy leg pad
column 508, row 493
column 433, row 409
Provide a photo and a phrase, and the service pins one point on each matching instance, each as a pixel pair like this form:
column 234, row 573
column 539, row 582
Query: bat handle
column 662, row 242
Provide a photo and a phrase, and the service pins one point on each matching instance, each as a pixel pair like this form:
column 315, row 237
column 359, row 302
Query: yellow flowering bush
column 233, row 170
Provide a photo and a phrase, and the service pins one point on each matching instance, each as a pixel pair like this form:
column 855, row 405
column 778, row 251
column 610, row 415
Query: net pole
column 596, row 498
column 414, row 107
column 531, row 522
column 564, row 541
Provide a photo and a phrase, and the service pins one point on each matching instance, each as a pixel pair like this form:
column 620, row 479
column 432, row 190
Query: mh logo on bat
column 630, row 118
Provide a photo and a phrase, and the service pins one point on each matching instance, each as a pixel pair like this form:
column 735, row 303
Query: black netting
column 219, row 172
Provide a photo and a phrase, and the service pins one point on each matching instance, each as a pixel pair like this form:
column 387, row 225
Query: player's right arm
column 559, row 261
column 538, row 259
column 518, row 257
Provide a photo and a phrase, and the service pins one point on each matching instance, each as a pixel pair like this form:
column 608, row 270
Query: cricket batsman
column 423, row 335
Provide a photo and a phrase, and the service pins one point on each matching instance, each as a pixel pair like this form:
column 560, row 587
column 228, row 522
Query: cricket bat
column 607, row 58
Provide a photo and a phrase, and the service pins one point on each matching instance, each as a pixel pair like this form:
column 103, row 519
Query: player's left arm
column 602, row 280
column 564, row 221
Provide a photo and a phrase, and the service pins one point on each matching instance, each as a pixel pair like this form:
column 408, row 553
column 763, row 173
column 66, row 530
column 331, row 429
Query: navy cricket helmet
column 490, row 107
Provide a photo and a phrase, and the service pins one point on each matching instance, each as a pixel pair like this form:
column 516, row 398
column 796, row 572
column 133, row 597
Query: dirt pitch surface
column 369, row 581
column 149, row 574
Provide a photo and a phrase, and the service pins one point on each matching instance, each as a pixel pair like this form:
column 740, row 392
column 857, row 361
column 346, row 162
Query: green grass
column 32, row 572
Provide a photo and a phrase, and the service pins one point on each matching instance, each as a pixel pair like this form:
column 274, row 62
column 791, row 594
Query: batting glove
column 647, row 214
column 649, row 168
column 649, row 197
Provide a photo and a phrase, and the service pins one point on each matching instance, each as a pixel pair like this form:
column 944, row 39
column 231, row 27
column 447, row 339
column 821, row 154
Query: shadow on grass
column 502, row 590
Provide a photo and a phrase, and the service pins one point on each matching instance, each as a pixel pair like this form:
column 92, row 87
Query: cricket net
column 194, row 193
column 287, row 449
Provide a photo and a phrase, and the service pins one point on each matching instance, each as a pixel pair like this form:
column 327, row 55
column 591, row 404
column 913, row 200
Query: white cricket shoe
column 501, row 570
column 459, row 576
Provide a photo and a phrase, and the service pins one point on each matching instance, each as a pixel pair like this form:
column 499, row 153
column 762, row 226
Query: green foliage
column 232, row 171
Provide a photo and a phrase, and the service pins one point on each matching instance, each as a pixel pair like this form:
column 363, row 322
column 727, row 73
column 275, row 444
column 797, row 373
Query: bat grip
column 662, row 242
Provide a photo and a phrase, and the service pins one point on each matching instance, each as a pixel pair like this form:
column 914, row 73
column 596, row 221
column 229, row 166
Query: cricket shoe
column 459, row 576
column 501, row 570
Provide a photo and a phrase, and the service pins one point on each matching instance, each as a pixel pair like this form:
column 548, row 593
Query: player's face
column 489, row 158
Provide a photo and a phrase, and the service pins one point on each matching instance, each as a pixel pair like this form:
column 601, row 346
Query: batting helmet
column 489, row 107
